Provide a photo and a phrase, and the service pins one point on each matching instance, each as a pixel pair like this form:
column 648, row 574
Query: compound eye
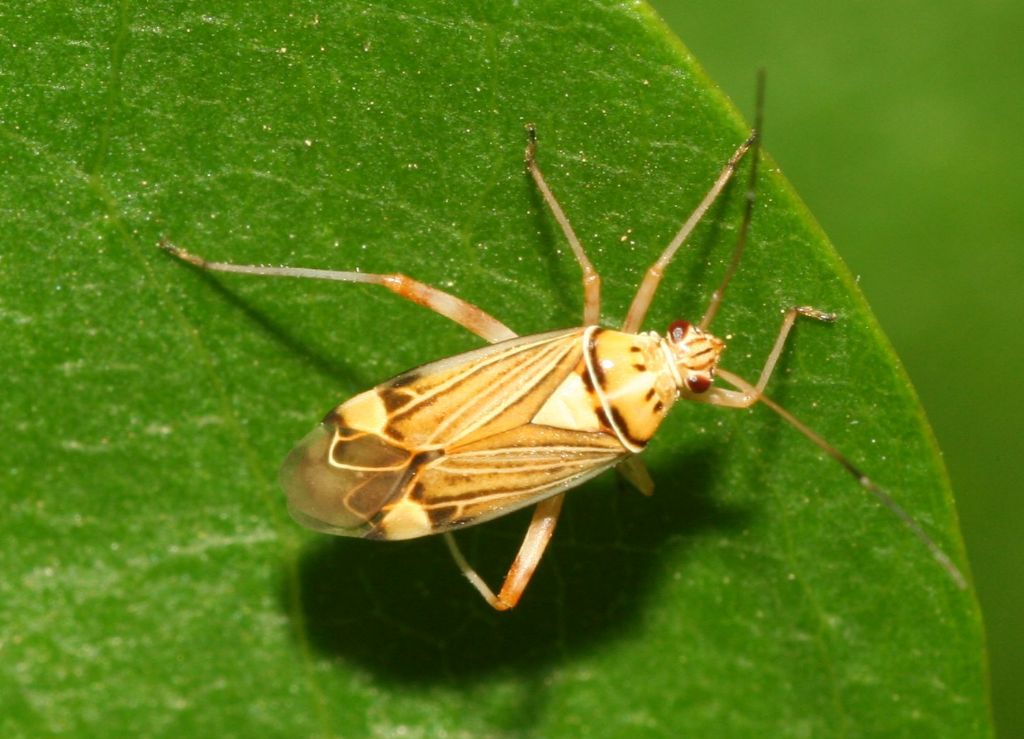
column 678, row 329
column 698, row 383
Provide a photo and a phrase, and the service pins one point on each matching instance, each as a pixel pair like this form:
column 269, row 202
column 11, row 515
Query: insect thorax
column 634, row 381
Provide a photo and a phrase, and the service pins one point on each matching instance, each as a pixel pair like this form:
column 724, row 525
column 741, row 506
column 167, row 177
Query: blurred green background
column 899, row 124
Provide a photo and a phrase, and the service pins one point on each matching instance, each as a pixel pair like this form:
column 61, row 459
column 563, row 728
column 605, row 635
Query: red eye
column 678, row 329
column 698, row 383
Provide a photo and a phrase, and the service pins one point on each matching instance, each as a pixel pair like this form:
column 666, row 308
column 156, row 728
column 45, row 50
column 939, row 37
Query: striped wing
column 449, row 444
column 477, row 394
column 499, row 474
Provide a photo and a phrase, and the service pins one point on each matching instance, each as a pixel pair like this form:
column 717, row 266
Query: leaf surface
column 156, row 586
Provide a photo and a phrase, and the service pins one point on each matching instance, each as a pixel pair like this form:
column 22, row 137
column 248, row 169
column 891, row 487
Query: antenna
column 748, row 210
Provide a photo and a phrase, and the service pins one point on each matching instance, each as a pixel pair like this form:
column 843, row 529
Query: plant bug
column 518, row 423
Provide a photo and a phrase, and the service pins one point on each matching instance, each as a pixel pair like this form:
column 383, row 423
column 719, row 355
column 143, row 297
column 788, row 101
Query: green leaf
column 154, row 584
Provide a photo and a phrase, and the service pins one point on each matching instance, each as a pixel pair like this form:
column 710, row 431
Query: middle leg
column 591, row 279
column 649, row 285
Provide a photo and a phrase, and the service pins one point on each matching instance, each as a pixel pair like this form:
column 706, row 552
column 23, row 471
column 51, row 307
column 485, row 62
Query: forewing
column 448, row 444
column 490, row 477
column 478, row 394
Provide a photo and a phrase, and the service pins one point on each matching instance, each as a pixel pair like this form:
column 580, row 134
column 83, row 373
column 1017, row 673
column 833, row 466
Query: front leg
column 748, row 394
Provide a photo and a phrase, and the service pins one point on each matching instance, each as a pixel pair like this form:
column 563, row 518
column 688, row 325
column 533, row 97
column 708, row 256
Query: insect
column 518, row 423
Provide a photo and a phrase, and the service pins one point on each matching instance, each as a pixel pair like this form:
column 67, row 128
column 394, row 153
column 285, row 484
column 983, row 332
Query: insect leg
column 747, row 395
column 645, row 293
column 542, row 526
column 634, row 471
column 591, row 279
column 465, row 314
